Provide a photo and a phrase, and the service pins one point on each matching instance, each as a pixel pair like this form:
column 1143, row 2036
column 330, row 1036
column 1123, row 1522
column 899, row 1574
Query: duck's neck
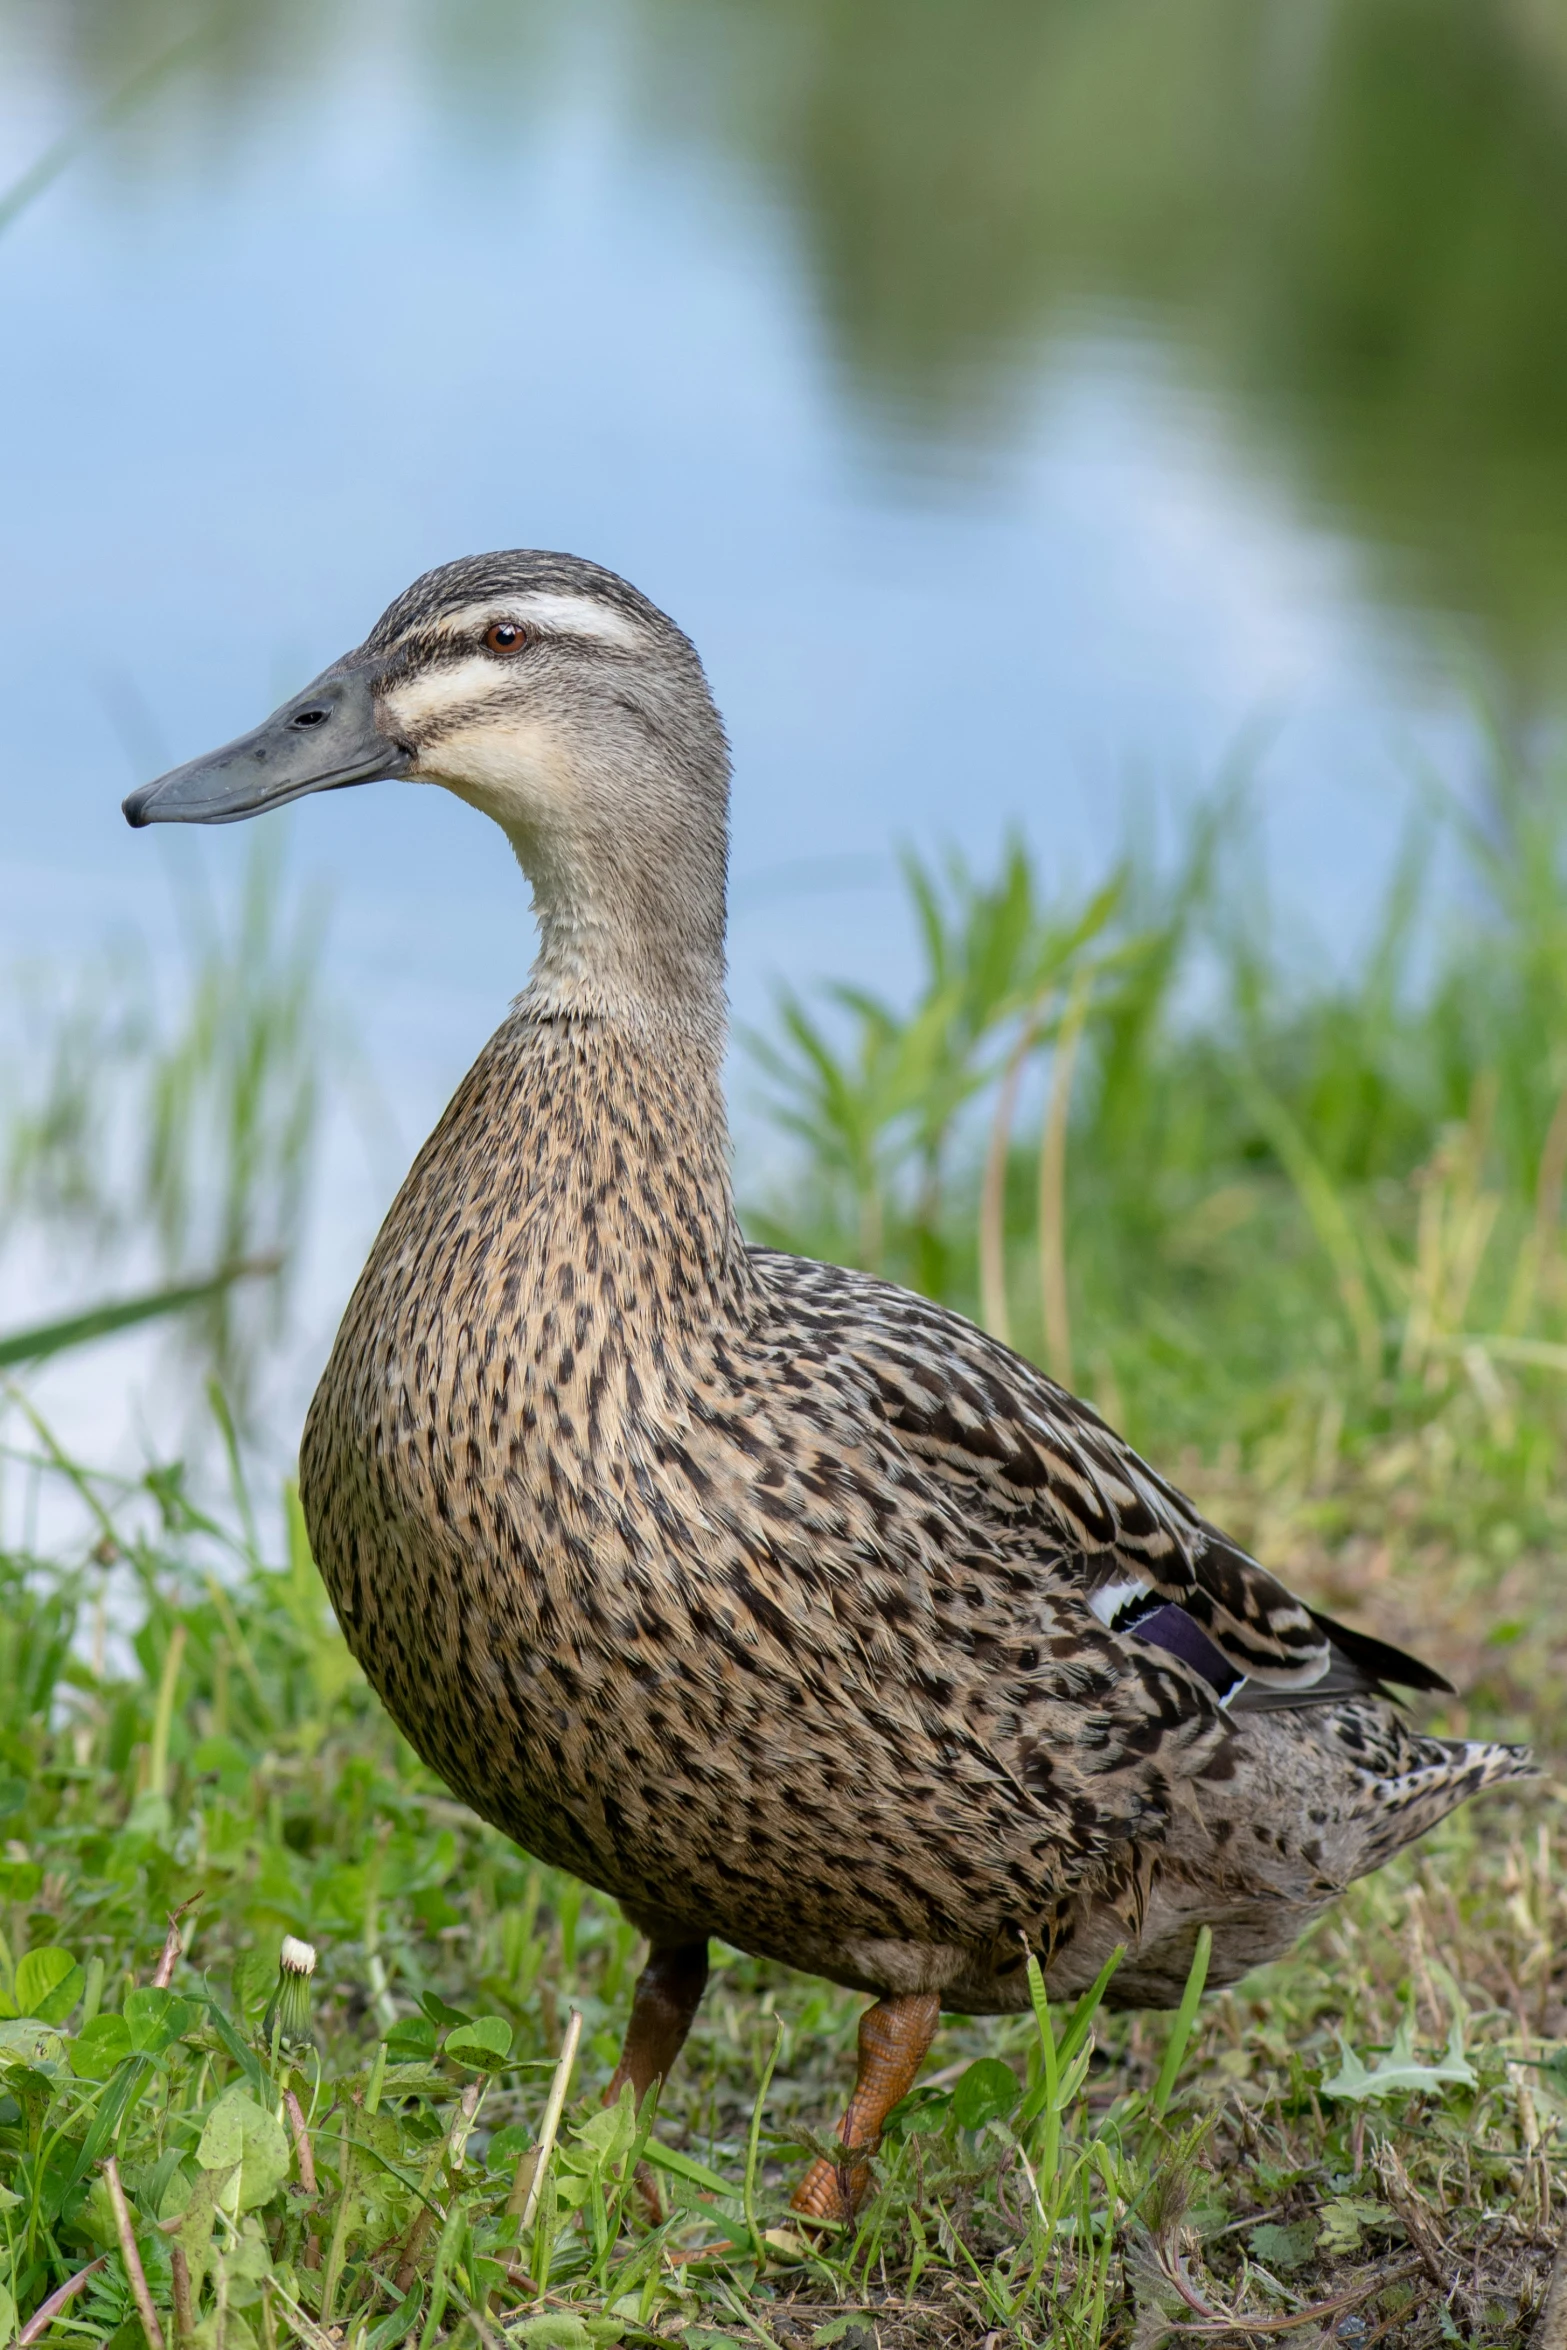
column 632, row 919
column 625, row 1141
column 623, row 1027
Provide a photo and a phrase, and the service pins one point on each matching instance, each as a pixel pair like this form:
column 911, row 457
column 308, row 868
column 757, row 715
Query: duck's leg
column 668, row 1993
column 895, row 2035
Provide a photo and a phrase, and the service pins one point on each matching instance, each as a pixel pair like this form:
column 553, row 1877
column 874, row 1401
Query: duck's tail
column 1435, row 1777
column 1313, row 1797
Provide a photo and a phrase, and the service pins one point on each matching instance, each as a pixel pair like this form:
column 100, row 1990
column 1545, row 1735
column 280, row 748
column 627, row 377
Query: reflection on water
column 1348, row 218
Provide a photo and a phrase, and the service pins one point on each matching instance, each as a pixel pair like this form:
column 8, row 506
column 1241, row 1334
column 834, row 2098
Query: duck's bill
column 324, row 739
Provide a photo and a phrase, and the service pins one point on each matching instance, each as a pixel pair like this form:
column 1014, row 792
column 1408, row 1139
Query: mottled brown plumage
column 754, row 1592
column 768, row 1598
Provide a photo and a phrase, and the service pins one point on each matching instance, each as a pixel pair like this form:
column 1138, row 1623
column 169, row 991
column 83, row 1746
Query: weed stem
column 131, row 2257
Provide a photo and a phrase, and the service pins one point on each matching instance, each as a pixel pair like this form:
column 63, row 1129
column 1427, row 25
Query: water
column 1021, row 403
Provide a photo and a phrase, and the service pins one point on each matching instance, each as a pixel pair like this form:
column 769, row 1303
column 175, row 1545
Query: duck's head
column 547, row 692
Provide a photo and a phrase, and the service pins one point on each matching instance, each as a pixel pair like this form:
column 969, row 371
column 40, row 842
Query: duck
column 783, row 1606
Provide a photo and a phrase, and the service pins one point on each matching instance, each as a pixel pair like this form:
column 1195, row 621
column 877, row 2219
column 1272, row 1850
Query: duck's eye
column 506, row 637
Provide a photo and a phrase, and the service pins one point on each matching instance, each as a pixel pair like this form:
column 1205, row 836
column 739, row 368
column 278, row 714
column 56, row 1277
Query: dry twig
column 44, row 2315
column 304, row 2154
column 131, row 2257
column 173, row 1946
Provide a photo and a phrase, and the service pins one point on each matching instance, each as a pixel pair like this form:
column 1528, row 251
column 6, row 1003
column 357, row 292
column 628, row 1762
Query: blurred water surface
column 1027, row 405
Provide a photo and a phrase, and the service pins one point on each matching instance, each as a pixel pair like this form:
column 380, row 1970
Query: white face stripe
column 552, row 613
column 424, row 700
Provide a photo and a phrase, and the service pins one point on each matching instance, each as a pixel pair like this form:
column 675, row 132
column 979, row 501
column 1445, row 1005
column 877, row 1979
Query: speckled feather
column 756, row 1592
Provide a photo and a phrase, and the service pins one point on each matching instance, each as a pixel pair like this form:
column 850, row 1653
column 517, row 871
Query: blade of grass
column 1080, row 2021
column 992, row 1193
column 1324, row 1205
column 754, row 2141
column 239, row 1484
column 163, row 1713
column 52, row 1338
column 1059, row 2055
column 62, row 152
column 337, row 2245
column 1181, row 2029
column 1052, row 1185
column 686, row 2166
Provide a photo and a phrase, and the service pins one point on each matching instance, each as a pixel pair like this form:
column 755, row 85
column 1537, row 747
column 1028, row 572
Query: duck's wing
column 1041, row 1472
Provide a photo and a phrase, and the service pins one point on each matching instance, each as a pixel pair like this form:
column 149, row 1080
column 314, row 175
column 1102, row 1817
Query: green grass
column 1300, row 1235
column 1051, row 2182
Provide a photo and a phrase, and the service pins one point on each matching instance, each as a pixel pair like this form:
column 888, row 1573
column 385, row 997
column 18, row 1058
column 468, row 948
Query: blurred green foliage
column 164, row 1113
column 1285, row 1195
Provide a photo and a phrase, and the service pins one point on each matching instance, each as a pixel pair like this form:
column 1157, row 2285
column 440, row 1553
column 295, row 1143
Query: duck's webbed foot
column 895, row 2035
column 668, row 1993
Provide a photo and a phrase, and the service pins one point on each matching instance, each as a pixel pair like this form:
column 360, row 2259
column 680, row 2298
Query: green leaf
column 1343, row 2219
column 125, row 2085
column 238, row 2131
column 248, row 2259
column 197, row 2217
column 416, row 2080
column 99, row 2047
column 156, row 2019
column 609, row 2132
column 410, row 2039
column 1284, row 2248
column 440, row 2011
column 29, row 2042
column 686, row 2166
column 485, row 2043
column 398, row 2327
column 151, row 1816
column 226, row 1760
column 506, row 2149
column 48, row 1984
column 223, row 2139
column 433, row 1908
column 987, row 2092
column 918, row 2115
column 244, row 2056
column 556, row 2330
column 1400, row 2073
